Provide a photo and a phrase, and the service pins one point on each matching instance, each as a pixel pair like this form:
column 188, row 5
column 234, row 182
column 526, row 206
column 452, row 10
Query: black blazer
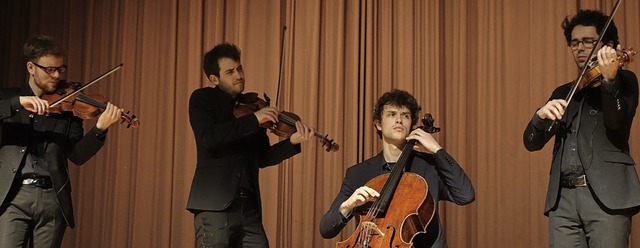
column 64, row 140
column 603, row 143
column 445, row 177
column 225, row 144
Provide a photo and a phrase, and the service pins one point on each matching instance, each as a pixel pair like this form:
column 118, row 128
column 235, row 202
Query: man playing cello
column 396, row 112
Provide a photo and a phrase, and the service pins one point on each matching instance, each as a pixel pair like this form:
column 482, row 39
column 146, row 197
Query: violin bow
column 87, row 85
column 584, row 69
column 284, row 29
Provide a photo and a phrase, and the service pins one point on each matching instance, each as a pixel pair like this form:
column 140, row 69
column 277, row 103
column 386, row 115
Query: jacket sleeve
column 9, row 106
column 333, row 221
column 83, row 147
column 620, row 100
column 209, row 129
column 538, row 132
column 456, row 185
column 279, row 152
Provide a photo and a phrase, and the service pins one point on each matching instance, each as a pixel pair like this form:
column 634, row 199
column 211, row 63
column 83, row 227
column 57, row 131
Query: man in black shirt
column 396, row 112
column 225, row 194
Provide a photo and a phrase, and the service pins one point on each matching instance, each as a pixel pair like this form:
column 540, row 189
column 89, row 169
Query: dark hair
column 591, row 18
column 399, row 98
column 224, row 50
column 42, row 46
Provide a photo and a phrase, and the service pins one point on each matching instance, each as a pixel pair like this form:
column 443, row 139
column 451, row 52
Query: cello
column 404, row 209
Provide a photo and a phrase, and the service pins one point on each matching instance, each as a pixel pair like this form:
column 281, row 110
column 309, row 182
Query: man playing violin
column 34, row 149
column 225, row 193
column 593, row 189
column 396, row 112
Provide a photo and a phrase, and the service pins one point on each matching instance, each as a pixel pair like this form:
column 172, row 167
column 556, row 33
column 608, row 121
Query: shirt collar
column 26, row 91
column 388, row 166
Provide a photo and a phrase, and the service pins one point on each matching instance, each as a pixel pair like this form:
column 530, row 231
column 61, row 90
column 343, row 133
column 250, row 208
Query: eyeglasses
column 588, row 43
column 51, row 70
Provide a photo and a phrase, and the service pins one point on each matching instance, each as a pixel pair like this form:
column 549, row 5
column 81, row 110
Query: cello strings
column 365, row 231
column 387, row 190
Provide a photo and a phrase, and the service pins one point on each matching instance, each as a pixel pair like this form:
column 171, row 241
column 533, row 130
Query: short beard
column 45, row 87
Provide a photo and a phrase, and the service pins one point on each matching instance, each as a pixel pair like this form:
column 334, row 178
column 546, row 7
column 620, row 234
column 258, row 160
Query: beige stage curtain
column 481, row 67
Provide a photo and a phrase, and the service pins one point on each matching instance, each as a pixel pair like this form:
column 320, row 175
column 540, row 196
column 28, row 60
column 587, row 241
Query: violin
column 249, row 103
column 593, row 75
column 67, row 98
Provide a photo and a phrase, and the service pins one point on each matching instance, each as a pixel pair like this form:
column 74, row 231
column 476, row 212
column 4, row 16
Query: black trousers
column 240, row 225
column 31, row 219
column 582, row 221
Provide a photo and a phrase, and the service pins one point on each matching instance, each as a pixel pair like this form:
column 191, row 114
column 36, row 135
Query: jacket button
column 22, row 150
column 14, row 170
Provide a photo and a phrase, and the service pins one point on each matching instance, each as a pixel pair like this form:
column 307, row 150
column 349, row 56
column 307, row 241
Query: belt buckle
column 37, row 182
column 28, row 181
column 581, row 181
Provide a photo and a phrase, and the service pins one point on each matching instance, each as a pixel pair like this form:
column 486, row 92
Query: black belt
column 572, row 182
column 40, row 182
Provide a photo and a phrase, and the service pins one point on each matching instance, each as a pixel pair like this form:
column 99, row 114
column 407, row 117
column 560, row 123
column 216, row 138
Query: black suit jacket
column 603, row 143
column 445, row 177
column 64, row 140
column 225, row 145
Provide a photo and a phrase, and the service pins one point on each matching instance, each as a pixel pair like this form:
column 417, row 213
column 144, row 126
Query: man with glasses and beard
column 35, row 146
column 593, row 189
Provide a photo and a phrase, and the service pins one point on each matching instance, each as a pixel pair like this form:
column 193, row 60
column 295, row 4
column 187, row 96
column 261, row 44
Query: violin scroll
column 626, row 56
column 329, row 144
column 592, row 75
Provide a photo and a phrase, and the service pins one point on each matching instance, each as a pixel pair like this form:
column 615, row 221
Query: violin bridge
column 371, row 226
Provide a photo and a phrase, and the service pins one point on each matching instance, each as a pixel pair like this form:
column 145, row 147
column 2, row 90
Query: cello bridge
column 371, row 226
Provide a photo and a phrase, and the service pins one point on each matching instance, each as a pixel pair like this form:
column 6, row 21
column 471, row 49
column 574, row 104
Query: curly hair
column 399, row 98
column 42, row 46
column 224, row 50
column 591, row 18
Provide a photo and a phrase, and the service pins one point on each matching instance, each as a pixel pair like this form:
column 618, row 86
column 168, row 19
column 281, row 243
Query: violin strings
column 292, row 122
column 90, row 101
column 84, row 98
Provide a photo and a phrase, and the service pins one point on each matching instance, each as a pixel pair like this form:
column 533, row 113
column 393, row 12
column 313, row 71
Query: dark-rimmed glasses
column 588, row 43
column 51, row 70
